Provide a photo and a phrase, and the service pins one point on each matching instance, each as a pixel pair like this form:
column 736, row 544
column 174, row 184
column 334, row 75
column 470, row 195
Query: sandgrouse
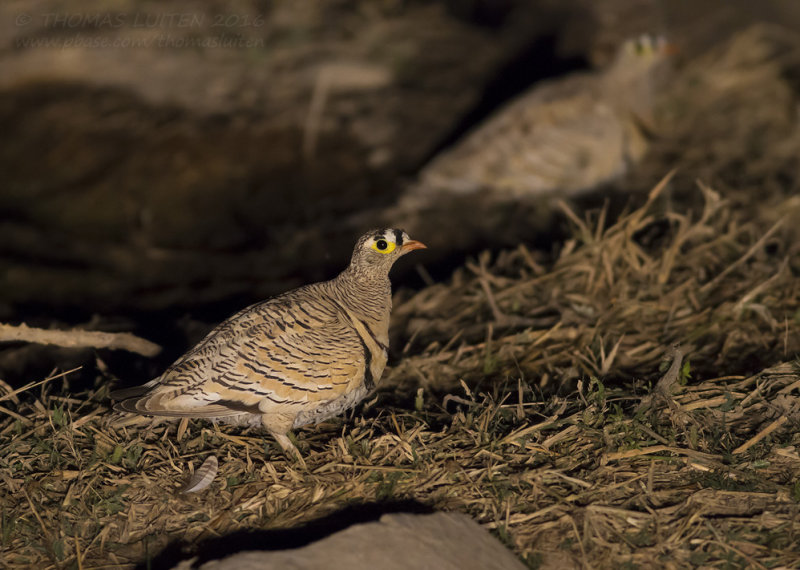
column 565, row 136
column 296, row 359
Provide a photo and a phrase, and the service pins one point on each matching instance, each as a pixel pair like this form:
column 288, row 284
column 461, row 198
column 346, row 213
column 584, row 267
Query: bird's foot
column 289, row 448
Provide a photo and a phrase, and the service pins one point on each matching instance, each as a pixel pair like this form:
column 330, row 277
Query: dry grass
column 536, row 395
column 703, row 474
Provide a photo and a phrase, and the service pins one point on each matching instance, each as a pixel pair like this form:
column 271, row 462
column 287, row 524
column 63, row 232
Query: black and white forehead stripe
column 386, row 234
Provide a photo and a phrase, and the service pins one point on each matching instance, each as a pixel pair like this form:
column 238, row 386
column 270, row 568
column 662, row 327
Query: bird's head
column 379, row 249
column 640, row 72
column 643, row 53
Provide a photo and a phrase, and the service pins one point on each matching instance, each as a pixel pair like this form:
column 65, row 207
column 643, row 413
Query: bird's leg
column 278, row 425
column 288, row 447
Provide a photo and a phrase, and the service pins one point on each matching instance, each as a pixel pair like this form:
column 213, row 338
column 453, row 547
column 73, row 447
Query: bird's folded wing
column 274, row 356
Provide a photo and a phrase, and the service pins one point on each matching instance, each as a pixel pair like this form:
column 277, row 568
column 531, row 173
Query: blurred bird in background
column 566, row 136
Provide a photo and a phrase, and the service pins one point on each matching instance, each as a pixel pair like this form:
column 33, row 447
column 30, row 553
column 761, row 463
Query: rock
column 439, row 541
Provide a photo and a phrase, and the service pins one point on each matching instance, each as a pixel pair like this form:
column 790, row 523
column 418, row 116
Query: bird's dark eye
column 383, row 246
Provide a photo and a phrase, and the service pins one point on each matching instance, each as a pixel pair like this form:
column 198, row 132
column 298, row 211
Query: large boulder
column 439, row 541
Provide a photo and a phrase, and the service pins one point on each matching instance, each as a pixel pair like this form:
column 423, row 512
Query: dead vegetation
column 704, row 474
column 616, row 299
column 633, row 402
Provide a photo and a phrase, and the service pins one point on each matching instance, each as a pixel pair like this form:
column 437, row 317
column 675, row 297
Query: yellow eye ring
column 383, row 246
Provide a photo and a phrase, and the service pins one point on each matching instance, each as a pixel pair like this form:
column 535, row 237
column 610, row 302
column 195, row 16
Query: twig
column 34, row 384
column 663, row 388
column 755, row 247
column 761, row 435
column 15, row 415
column 580, row 542
column 617, row 455
column 501, row 319
column 458, row 400
column 79, row 339
column 670, row 378
column 35, row 512
column 758, row 289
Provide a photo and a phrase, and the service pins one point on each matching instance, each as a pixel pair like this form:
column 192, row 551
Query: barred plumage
column 295, row 359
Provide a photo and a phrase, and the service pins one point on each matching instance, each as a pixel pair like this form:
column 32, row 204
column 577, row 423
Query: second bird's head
column 381, row 248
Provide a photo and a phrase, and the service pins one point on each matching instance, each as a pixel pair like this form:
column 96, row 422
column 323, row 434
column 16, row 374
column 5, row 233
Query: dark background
column 160, row 174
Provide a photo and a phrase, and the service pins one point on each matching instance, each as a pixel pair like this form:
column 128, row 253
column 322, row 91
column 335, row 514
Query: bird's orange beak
column 412, row 245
